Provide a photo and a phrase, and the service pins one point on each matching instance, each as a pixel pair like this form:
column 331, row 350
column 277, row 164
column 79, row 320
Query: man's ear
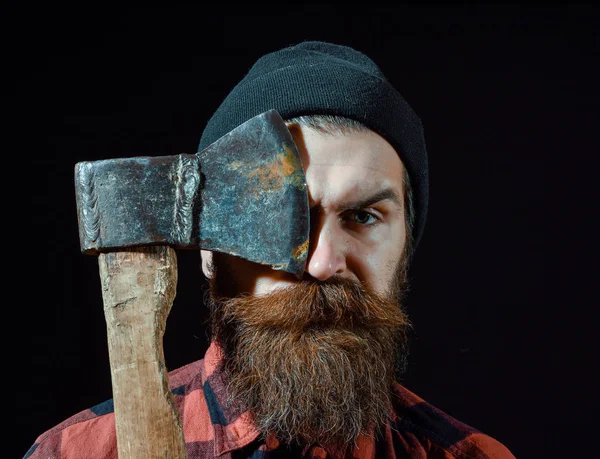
column 207, row 266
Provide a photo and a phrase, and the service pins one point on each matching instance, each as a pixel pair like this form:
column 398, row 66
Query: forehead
column 343, row 165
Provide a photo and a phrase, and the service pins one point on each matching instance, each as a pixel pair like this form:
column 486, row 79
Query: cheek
column 378, row 270
column 268, row 283
column 236, row 276
column 379, row 259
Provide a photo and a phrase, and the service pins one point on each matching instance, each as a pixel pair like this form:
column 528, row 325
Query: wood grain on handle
column 138, row 288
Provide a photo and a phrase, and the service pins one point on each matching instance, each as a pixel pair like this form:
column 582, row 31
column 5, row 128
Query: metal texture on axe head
column 271, row 218
column 244, row 195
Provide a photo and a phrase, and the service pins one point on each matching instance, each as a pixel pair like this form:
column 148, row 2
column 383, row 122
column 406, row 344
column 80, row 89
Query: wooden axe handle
column 138, row 289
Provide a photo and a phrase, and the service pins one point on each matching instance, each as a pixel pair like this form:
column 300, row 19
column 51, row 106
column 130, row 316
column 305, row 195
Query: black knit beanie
column 315, row 77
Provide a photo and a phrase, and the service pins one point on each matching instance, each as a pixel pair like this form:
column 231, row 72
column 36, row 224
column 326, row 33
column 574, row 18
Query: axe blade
column 244, row 195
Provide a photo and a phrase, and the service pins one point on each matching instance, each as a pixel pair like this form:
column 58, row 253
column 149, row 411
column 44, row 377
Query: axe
column 244, row 195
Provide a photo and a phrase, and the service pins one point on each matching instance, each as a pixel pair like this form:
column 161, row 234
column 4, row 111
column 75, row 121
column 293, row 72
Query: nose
column 327, row 255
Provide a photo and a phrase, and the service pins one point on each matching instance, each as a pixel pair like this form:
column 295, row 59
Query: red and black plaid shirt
column 419, row 430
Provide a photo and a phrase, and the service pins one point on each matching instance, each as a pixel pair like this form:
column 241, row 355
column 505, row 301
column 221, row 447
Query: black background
column 509, row 103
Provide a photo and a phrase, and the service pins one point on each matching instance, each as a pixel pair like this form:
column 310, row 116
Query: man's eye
column 362, row 217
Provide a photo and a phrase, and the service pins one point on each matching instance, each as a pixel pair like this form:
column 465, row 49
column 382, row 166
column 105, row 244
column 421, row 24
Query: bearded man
column 310, row 367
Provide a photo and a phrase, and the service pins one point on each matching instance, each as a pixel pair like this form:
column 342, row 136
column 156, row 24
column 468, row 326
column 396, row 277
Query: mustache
column 333, row 304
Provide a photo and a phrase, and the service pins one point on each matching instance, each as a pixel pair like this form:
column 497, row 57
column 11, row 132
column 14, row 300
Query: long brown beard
column 314, row 362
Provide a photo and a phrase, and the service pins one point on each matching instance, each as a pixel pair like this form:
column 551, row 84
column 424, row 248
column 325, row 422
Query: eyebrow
column 386, row 194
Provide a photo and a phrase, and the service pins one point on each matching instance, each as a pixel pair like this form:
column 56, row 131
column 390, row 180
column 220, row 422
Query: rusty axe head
column 244, row 195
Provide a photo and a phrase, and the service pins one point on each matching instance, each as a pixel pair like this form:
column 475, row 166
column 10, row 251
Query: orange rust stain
column 272, row 175
column 289, row 161
column 269, row 176
column 285, row 168
column 301, row 250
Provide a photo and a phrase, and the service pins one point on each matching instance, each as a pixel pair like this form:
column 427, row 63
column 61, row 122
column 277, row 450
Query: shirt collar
column 232, row 428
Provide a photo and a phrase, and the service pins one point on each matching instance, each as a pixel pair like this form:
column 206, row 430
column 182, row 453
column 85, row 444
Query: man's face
column 358, row 229
column 313, row 360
